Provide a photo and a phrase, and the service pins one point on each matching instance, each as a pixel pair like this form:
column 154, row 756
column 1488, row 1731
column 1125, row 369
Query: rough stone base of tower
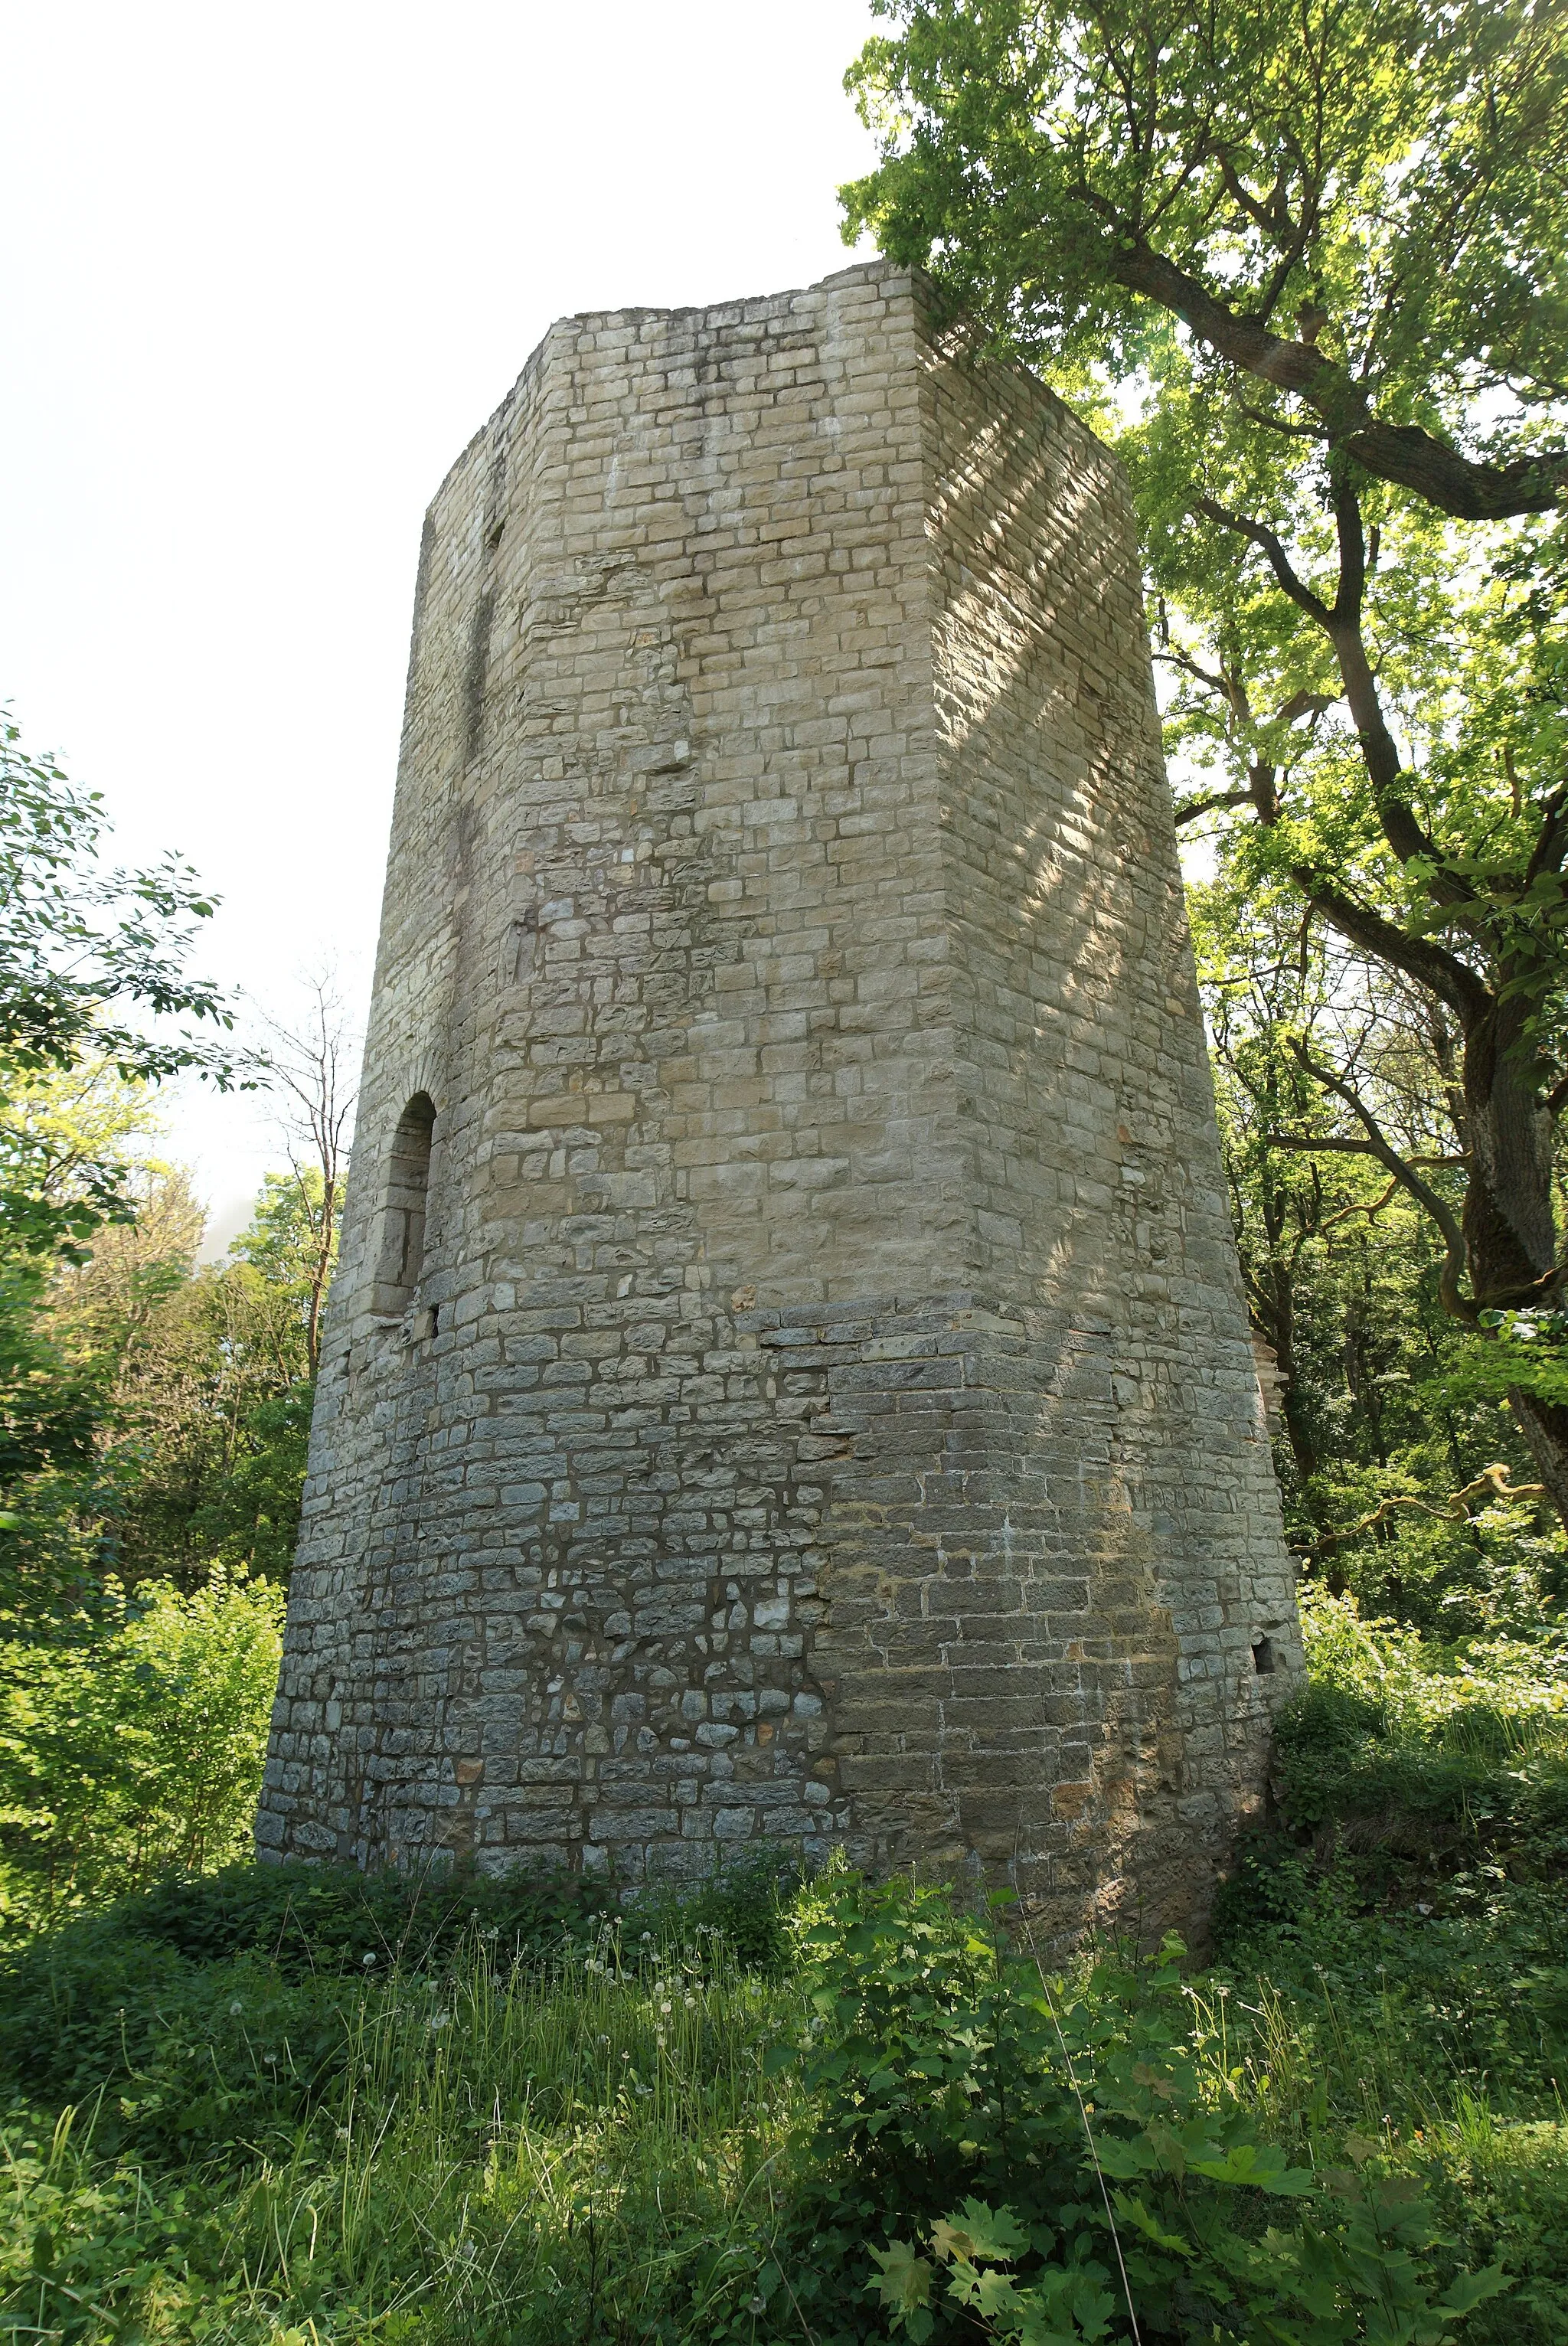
column 786, row 1377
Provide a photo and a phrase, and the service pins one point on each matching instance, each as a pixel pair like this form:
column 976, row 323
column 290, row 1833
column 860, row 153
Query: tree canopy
column 94, row 962
column 1359, row 208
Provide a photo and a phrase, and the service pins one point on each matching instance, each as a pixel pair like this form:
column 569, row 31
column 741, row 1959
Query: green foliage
column 79, row 942
column 135, row 1748
column 49, row 1407
column 1379, row 181
column 190, row 1448
column 323, row 1920
column 1388, row 1407
column 537, row 2114
column 1416, row 1881
column 1070, row 2114
column 206, row 1460
column 93, row 968
column 1435, row 1754
column 580, row 2142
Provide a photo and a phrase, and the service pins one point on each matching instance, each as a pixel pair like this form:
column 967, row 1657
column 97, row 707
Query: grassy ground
column 292, row 2108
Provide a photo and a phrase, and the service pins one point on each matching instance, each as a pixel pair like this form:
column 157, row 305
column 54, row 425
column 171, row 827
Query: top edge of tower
column 878, row 269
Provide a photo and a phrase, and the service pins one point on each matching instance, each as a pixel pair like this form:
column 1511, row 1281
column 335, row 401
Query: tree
column 1381, row 1424
column 97, row 1003
column 201, row 1455
column 91, row 957
column 312, row 1061
column 91, row 960
column 1159, row 197
column 1357, row 209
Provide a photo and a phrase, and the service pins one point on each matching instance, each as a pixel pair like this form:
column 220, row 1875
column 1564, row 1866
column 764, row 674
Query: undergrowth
column 296, row 2107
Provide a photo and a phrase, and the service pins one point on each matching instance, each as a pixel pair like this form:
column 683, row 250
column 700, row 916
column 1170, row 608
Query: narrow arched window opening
column 402, row 1256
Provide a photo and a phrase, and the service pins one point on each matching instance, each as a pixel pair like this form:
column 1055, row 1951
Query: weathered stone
column 786, row 1375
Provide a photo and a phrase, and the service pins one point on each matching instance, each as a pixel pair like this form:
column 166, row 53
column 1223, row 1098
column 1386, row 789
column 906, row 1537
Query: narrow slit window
column 403, row 1219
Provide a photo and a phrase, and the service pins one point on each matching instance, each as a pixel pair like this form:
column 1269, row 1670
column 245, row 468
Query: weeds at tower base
column 839, row 2112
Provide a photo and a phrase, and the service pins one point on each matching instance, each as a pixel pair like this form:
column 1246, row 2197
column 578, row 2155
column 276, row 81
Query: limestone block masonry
column 788, row 1377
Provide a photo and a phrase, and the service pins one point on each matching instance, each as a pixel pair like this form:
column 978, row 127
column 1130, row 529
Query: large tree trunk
column 1544, row 1426
column 1510, row 1225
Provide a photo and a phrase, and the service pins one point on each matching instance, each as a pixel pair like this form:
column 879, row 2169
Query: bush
column 1045, row 2158
column 136, row 1748
column 1398, row 1750
column 181, row 2061
column 628, row 2135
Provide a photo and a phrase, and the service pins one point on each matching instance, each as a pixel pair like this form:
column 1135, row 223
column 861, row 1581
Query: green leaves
column 79, row 942
column 1357, row 210
column 903, row 2285
column 1043, row 2156
column 135, row 1750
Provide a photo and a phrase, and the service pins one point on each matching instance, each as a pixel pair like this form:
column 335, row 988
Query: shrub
column 1045, row 2157
column 1401, row 1749
column 137, row 1750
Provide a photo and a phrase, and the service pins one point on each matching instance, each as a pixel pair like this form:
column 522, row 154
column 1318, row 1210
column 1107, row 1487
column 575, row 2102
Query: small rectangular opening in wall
column 1263, row 1660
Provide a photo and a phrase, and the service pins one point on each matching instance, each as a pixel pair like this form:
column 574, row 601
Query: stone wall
column 819, row 1403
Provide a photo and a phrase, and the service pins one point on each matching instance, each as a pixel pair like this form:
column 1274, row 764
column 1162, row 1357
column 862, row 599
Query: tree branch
column 1404, row 453
column 1192, row 808
column 1262, row 535
column 1430, row 964
column 1405, row 1174
column 1491, row 1482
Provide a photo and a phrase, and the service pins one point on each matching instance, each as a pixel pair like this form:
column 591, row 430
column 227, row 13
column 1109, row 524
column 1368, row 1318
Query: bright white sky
column 263, row 271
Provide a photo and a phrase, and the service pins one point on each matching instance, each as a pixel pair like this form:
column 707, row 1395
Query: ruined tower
column 786, row 1377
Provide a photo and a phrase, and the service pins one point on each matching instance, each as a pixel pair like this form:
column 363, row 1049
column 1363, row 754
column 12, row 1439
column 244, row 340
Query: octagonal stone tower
column 786, row 1377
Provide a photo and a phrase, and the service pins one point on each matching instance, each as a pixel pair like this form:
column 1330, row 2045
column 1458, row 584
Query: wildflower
column 368, row 1960
column 604, row 2040
column 439, row 2020
column 235, row 2009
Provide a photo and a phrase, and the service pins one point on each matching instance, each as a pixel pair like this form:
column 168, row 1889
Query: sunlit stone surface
column 788, row 1375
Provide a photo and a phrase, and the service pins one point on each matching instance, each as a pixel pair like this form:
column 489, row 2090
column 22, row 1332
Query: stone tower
column 786, row 1377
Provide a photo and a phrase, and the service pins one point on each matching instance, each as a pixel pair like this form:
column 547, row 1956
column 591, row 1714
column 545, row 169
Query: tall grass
column 579, row 2153
column 314, row 2111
